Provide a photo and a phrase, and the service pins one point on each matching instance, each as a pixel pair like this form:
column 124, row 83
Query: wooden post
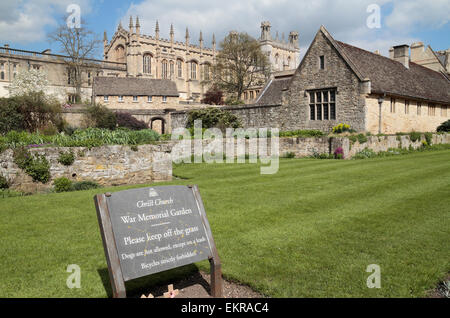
column 109, row 245
column 214, row 261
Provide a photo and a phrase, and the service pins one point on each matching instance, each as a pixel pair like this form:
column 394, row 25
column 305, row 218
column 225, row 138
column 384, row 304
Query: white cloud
column 419, row 14
column 25, row 21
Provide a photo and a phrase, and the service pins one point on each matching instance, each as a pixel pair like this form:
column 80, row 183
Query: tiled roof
column 126, row 86
column 271, row 93
column 391, row 77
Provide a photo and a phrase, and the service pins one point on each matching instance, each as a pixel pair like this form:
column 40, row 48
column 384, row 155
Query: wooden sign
column 150, row 230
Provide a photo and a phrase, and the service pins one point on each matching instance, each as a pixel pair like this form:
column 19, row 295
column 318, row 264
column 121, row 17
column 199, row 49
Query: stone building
column 147, row 99
column 186, row 64
column 339, row 83
column 55, row 67
column 437, row 61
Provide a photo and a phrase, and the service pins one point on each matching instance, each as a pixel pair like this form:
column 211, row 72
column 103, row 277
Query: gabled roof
column 392, row 77
column 131, row 86
column 388, row 76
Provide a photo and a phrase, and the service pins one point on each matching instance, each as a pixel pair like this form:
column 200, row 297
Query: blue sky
column 24, row 23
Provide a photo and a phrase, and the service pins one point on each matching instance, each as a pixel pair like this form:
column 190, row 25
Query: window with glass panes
column 322, row 104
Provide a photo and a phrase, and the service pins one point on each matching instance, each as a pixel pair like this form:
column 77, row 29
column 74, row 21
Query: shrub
column 415, row 136
column 232, row 101
column 4, row 184
column 302, row 133
column 213, row 117
column 39, row 110
column 127, row 120
column 365, row 154
column 66, row 158
column 85, row 185
column 429, row 138
column 36, row 166
column 339, row 153
column 444, row 127
column 213, row 96
column 10, row 116
column 289, row 155
column 101, row 117
column 62, row 185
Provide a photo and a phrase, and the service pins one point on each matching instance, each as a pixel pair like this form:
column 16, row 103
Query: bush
column 415, row 136
column 85, row 185
column 213, row 117
column 339, row 153
column 10, row 116
column 232, row 101
column 365, row 154
column 36, row 166
column 429, row 138
column 62, row 185
column 66, row 158
column 213, row 96
column 302, row 133
column 289, row 155
column 444, row 127
column 127, row 120
column 101, row 117
column 4, row 184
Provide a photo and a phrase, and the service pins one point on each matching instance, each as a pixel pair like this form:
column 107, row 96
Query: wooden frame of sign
column 118, row 272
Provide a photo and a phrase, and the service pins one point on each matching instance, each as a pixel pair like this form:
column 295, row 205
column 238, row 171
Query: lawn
column 310, row 230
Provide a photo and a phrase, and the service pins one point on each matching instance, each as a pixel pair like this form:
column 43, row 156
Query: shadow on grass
column 156, row 284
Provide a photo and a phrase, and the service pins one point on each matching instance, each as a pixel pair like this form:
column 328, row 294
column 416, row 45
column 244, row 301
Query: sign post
column 150, row 230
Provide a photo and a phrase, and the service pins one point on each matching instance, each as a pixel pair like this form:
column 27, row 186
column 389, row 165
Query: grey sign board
column 154, row 229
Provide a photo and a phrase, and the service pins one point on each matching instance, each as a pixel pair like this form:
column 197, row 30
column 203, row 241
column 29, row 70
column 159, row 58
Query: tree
column 28, row 82
column 78, row 44
column 240, row 64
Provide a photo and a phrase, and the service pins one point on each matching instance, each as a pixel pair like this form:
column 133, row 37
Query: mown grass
column 310, row 230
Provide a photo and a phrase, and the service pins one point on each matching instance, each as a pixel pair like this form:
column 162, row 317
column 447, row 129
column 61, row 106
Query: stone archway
column 158, row 124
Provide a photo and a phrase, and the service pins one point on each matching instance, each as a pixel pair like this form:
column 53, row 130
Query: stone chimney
column 401, row 54
column 417, row 50
column 391, row 53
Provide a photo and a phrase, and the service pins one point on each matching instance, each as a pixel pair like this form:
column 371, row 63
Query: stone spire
column 187, row 37
column 138, row 26
column 172, row 33
column 157, row 30
column 105, row 37
column 131, row 24
column 200, row 40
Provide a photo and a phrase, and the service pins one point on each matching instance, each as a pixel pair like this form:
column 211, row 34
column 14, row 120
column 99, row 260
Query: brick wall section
column 108, row 166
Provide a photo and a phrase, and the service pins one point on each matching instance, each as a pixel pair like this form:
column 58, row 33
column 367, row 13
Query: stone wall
column 107, row 165
column 251, row 116
column 401, row 118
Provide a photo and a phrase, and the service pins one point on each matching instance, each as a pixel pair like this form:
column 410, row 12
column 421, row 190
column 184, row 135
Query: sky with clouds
column 25, row 23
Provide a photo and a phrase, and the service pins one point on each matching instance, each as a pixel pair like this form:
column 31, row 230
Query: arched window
column 276, row 60
column 180, row 68
column 164, row 70
column 206, row 72
column 120, row 54
column 193, row 70
column 147, row 64
column 172, row 70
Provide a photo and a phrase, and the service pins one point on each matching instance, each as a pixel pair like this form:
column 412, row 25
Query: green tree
column 240, row 64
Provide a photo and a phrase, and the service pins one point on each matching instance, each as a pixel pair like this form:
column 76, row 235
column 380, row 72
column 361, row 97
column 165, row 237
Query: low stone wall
column 107, row 165
column 384, row 143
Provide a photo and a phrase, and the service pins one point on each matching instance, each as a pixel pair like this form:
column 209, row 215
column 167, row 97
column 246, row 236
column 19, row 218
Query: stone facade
column 404, row 115
column 54, row 66
column 108, row 166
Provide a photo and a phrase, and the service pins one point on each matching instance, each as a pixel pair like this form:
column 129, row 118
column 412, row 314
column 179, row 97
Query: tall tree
column 240, row 64
column 79, row 44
